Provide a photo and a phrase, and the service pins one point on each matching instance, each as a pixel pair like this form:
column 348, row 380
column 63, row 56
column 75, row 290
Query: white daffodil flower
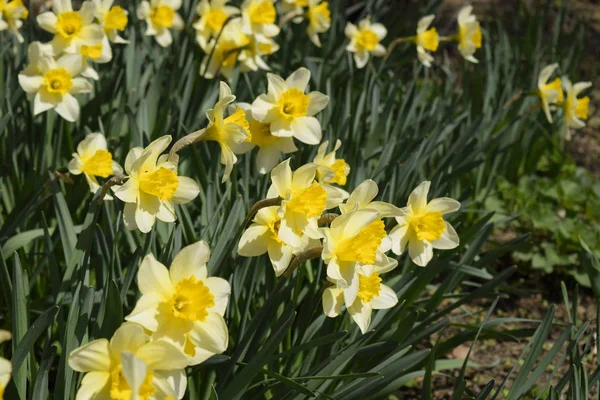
column 35, row 53
column 153, row 187
column 288, row 110
column 331, row 169
column 113, row 19
column 426, row 40
column 258, row 18
column 319, row 20
column 270, row 148
column 224, row 57
column 251, row 57
column 422, row 226
column 71, row 29
column 182, row 304
column 365, row 40
column 550, row 92
column 161, row 16
column 53, row 85
column 12, row 14
column 576, row 109
column 130, row 366
column 94, row 160
column 362, row 198
column 213, row 14
column 469, row 34
column 5, row 365
column 100, row 54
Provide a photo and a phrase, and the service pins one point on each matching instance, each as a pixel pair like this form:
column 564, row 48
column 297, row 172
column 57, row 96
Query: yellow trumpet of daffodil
column 71, row 29
column 113, row 19
column 5, row 365
column 12, row 14
column 422, row 227
column 550, row 92
column 331, row 169
column 426, row 40
column 153, row 187
column 258, row 18
column 213, row 14
column 100, row 54
column 469, row 34
column 576, row 109
column 182, row 304
column 130, row 366
column 319, row 20
column 288, row 110
column 161, row 16
column 94, row 160
column 365, row 40
column 371, row 295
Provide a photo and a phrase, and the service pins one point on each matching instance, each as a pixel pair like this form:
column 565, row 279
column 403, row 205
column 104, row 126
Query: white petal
column 154, row 277
column 94, row 385
column 135, row 370
column 443, row 205
column 418, row 198
column 361, row 314
column 145, row 212
column 93, row 356
column 47, row 21
column 68, row 108
column 307, row 130
column 30, row 84
column 254, row 241
column 275, row 87
column 280, row 255
column 448, row 240
column 332, row 302
column 145, row 311
column 281, row 176
column 387, row 299
column 298, row 79
column 420, row 252
column 190, row 261
column 317, row 101
column 161, row 354
column 221, row 290
column 211, row 334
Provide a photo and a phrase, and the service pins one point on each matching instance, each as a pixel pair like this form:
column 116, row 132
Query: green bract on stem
column 258, row 205
column 309, row 254
column 115, row 180
column 327, row 219
column 396, row 42
column 289, row 16
column 186, row 141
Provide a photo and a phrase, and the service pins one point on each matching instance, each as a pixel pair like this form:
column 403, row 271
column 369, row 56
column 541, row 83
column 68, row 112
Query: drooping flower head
column 469, row 34
column 251, row 57
column 226, row 53
column 52, row 83
column 161, row 16
column 576, row 109
column 130, row 366
column 100, row 53
column 258, row 18
column 5, row 365
column 229, row 131
column 153, row 187
column 12, row 14
column 94, row 160
column 549, row 92
column 426, row 40
column 319, row 20
column 331, row 169
column 113, row 19
column 422, row 226
column 71, row 29
column 213, row 14
column 182, row 304
column 288, row 110
column 270, row 148
column 365, row 40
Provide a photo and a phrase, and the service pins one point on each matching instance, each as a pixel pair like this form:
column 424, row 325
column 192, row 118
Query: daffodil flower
column 182, row 304
column 94, row 160
column 153, row 187
column 353, row 240
column 71, row 29
column 5, row 365
column 319, row 20
column 426, row 40
column 549, row 92
column 263, row 237
column 362, row 198
column 130, row 366
column 35, row 53
column 12, row 14
column 422, row 226
column 53, row 85
column 331, row 169
column 213, row 14
column 270, row 148
column 100, row 53
column 371, row 295
column 113, row 19
column 469, row 34
column 161, row 16
column 251, row 55
column 227, row 132
column 576, row 109
column 224, row 57
column 288, row 110
column 258, row 18
column 365, row 40
column 294, row 8
column 303, row 201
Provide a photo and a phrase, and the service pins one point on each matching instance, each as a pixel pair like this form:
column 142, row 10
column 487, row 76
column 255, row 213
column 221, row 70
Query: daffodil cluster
column 177, row 322
column 12, row 14
column 353, row 244
column 563, row 95
column 60, row 69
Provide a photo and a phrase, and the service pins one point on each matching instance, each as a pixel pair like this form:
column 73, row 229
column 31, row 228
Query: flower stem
column 309, row 254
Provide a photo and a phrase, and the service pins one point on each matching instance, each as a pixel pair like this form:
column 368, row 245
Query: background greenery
column 68, row 265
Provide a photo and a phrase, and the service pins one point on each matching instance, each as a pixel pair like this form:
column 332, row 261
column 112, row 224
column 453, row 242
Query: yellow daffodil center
column 339, row 168
column 215, row 20
column 368, row 287
column 58, row 81
column 69, row 24
column 120, row 390
column 582, row 107
column 99, row 164
column 239, row 118
column 309, row 202
column 261, row 134
column 115, row 18
column 318, row 13
column 188, row 347
column 429, row 39
column 92, row 52
column 429, row 226
column 468, row 35
column 265, row 48
column 274, row 226
column 556, row 86
column 262, row 12
column 363, row 246
column 367, row 39
column 163, row 16
column 1, row 387
column 14, row 10
column 161, row 183
column 191, row 300
column 293, row 103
